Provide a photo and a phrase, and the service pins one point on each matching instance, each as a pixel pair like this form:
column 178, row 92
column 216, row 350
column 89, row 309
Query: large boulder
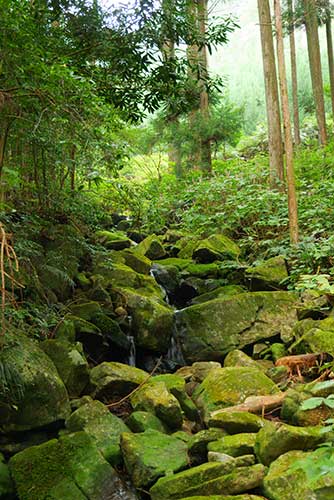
column 216, row 247
column 103, row 427
column 267, row 275
column 151, row 247
column 32, row 393
column 287, row 478
column 224, row 387
column 151, row 454
column 235, row 422
column 115, row 240
column 68, row 468
column 211, row 330
column 234, row 446
column 110, row 379
column 275, row 439
column 70, row 363
column 208, row 479
column 141, row 421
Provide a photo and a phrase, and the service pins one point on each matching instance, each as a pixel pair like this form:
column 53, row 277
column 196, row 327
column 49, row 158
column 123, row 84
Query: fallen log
column 256, row 404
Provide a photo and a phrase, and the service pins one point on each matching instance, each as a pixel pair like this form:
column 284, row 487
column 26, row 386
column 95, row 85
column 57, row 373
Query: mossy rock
column 285, row 481
column 234, row 446
column 70, row 467
column 110, row 379
column 154, row 397
column 86, row 310
column 239, row 358
column 115, row 240
column 179, row 264
column 211, row 330
column 235, row 422
column 198, row 444
column 111, row 331
column 176, row 386
column 152, row 454
column 141, row 421
column 33, row 394
column 202, row 270
column 216, row 247
column 137, row 262
column 275, row 439
column 70, row 363
column 201, row 369
column 102, row 426
column 292, row 413
column 6, row 483
column 151, row 247
column 315, row 340
column 208, row 479
column 65, row 331
column 222, row 292
column 224, row 497
column 268, row 275
column 224, row 387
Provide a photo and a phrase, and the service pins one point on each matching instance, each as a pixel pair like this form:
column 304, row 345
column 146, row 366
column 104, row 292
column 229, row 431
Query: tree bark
column 311, row 23
column 294, row 79
column 329, row 38
column 272, row 100
column 292, row 198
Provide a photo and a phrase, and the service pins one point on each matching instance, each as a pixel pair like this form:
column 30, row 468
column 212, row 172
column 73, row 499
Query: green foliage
column 315, row 282
column 312, row 403
column 316, row 465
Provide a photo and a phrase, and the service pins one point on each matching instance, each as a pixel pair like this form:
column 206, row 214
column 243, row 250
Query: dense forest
column 166, row 250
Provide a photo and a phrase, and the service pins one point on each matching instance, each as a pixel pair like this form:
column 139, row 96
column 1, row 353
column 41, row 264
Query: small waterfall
column 132, row 352
column 174, row 353
column 154, row 273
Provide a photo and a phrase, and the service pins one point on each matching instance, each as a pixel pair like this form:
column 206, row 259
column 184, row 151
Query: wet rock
column 102, row 426
column 70, row 363
column 275, row 439
column 221, row 292
column 225, row 387
column 70, row 467
column 208, row 479
column 268, row 275
column 211, row 330
column 235, row 446
column 33, row 394
column 151, row 454
column 110, row 379
column 235, row 422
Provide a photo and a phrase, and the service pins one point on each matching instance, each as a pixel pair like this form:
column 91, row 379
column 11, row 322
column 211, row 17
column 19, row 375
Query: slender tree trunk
column 311, row 22
column 206, row 160
column 294, row 79
column 292, row 199
column 73, row 151
column 272, row 99
column 329, row 37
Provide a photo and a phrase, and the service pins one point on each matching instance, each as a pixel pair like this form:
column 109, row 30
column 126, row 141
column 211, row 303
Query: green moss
column 86, row 310
column 176, row 386
column 180, row 264
column 222, row 292
column 151, row 247
column 235, row 422
column 239, row 358
column 235, row 446
column 141, row 421
column 203, row 270
column 111, row 378
column 198, row 444
column 151, row 454
column 113, row 240
column 137, row 262
column 216, row 247
column 269, row 273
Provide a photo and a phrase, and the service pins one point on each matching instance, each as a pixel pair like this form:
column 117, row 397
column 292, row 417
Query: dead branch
column 255, row 404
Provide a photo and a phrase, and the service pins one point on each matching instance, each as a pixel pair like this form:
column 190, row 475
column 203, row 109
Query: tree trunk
column 294, row 80
column 272, row 100
column 311, row 22
column 292, row 199
column 73, row 151
column 330, row 56
column 206, row 160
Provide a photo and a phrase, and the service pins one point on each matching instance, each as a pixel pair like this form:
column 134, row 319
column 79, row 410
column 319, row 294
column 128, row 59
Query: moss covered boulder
column 239, row 358
column 102, row 426
column 113, row 240
column 216, row 247
column 198, row 444
column 211, row 330
column 275, row 439
column 292, row 411
column 110, row 379
column 151, row 454
column 208, row 479
column 235, row 422
column 136, row 261
column 286, row 481
column 68, row 468
column 151, row 247
column 268, row 275
column 222, row 292
column 70, row 363
column 235, row 446
column 155, row 397
column 177, row 386
column 225, row 387
column 6, row 484
column 33, row 394
column 141, row 421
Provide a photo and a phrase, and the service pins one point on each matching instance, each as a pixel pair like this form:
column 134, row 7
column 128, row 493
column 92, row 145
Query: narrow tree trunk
column 272, row 100
column 294, row 79
column 292, row 199
column 311, row 22
column 73, row 151
column 330, row 56
column 206, row 160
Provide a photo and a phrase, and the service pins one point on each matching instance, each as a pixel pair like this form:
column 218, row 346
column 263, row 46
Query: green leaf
column 311, row 403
